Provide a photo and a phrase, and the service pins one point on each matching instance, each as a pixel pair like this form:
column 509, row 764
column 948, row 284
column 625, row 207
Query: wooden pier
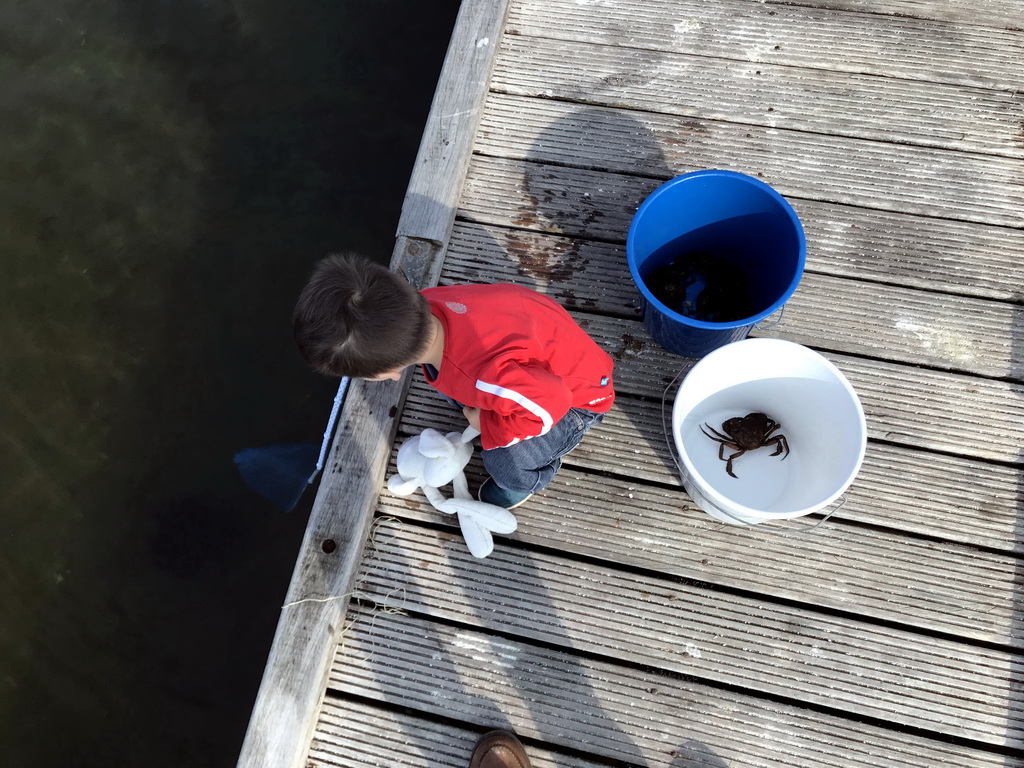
column 620, row 625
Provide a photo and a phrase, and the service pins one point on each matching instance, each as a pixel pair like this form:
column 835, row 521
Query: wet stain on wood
column 630, row 349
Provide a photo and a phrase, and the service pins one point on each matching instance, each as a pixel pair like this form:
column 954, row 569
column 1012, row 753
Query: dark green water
column 170, row 172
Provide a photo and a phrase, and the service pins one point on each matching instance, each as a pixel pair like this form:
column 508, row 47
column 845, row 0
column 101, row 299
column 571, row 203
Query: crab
column 746, row 433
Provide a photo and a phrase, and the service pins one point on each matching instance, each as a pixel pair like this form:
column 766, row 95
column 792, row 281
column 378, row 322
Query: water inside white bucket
column 819, row 414
column 819, row 443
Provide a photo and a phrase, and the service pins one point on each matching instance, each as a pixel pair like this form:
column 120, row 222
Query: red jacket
column 517, row 356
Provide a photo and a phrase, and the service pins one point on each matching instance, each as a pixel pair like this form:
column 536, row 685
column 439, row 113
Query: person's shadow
column 572, row 224
column 523, row 675
column 568, row 241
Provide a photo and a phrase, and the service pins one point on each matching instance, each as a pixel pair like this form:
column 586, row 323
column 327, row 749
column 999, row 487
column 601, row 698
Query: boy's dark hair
column 356, row 318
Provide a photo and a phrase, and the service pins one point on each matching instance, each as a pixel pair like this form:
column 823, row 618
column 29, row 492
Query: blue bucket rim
column 703, row 324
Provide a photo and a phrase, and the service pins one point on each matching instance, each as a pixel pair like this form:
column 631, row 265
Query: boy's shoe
column 492, row 493
column 499, row 749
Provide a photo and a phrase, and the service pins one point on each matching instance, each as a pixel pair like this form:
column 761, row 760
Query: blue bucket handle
column 765, row 324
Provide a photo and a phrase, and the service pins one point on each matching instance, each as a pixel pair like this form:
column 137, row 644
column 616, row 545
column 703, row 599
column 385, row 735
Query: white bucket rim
column 747, row 514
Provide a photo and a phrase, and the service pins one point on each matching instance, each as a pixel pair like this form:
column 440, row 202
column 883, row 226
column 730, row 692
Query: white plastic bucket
column 819, row 413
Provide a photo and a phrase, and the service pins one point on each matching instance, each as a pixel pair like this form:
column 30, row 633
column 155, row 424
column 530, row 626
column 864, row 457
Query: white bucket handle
column 788, row 530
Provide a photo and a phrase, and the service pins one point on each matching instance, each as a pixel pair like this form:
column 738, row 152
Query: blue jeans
column 529, row 466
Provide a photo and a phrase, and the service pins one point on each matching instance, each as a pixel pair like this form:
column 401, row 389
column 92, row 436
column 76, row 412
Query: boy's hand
column 472, row 416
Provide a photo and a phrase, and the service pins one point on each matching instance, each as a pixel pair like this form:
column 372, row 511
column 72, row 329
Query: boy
column 525, row 374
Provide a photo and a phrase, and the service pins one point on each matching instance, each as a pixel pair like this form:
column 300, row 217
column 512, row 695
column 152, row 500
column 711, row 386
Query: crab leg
column 780, row 443
column 728, row 464
column 717, row 436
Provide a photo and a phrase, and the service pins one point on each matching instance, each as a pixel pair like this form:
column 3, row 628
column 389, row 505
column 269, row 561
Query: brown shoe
column 499, row 749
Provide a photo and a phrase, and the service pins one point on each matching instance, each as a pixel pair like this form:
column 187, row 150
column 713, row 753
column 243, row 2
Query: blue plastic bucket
column 730, row 220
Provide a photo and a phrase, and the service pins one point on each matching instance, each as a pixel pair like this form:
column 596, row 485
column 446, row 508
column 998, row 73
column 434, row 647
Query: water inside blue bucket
column 724, row 272
column 702, row 286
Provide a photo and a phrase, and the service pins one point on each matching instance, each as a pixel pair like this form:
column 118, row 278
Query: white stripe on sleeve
column 519, row 399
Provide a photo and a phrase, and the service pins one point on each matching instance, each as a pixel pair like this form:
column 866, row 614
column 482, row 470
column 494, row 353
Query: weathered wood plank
column 998, row 14
column 928, row 253
column 790, row 35
column 917, row 407
column 772, row 96
column 921, row 408
column 440, row 166
column 948, row 497
column 931, row 254
column 354, row 734
column 968, row 335
column 951, row 498
column 988, row 266
column 946, row 587
column 849, row 171
column 617, row 713
column 941, row 686
column 906, row 405
column 964, row 334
